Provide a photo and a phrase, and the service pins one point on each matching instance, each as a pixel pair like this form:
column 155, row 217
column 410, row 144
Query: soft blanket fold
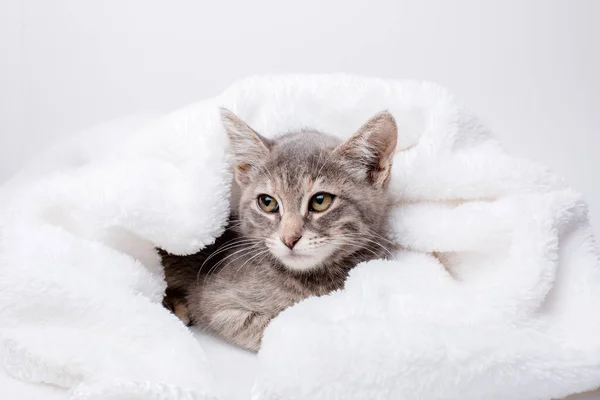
column 493, row 294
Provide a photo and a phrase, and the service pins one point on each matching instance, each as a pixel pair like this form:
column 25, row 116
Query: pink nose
column 291, row 240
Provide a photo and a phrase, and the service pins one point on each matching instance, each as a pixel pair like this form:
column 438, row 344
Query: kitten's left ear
column 370, row 151
column 249, row 148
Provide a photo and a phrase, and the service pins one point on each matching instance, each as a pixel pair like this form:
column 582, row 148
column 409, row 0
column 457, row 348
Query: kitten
column 311, row 208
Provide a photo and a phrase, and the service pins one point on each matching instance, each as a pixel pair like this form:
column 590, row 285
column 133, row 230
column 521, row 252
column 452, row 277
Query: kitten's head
column 309, row 199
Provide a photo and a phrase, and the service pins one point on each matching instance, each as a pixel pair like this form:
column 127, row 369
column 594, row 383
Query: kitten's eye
column 320, row 202
column 267, row 203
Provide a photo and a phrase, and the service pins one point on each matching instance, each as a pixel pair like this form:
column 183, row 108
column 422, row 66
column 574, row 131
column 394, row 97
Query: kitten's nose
column 290, row 240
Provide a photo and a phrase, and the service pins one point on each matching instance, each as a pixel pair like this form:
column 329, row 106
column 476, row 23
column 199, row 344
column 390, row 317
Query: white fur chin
column 301, row 263
column 302, row 259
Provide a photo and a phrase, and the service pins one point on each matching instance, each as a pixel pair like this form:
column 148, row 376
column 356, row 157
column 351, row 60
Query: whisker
column 246, row 248
column 362, row 238
column 384, row 253
column 247, row 245
column 250, row 253
column 227, row 245
column 372, row 232
column 224, row 249
column 229, row 256
column 366, row 248
column 248, row 260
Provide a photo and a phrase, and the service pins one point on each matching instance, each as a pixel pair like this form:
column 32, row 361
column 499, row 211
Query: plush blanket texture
column 494, row 294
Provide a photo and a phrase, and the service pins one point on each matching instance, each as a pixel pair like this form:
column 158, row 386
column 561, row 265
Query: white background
column 530, row 68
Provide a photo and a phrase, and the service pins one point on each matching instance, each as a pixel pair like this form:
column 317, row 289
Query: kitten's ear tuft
column 248, row 147
column 370, row 151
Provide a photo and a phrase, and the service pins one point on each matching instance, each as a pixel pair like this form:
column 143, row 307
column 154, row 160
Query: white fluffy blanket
column 495, row 294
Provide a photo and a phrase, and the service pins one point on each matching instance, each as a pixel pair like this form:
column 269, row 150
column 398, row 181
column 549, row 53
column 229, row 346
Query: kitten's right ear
column 248, row 147
column 370, row 151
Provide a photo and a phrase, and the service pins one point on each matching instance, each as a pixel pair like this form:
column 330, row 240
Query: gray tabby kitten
column 311, row 208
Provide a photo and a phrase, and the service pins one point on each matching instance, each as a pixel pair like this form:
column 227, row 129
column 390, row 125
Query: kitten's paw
column 250, row 343
column 251, row 334
column 178, row 307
